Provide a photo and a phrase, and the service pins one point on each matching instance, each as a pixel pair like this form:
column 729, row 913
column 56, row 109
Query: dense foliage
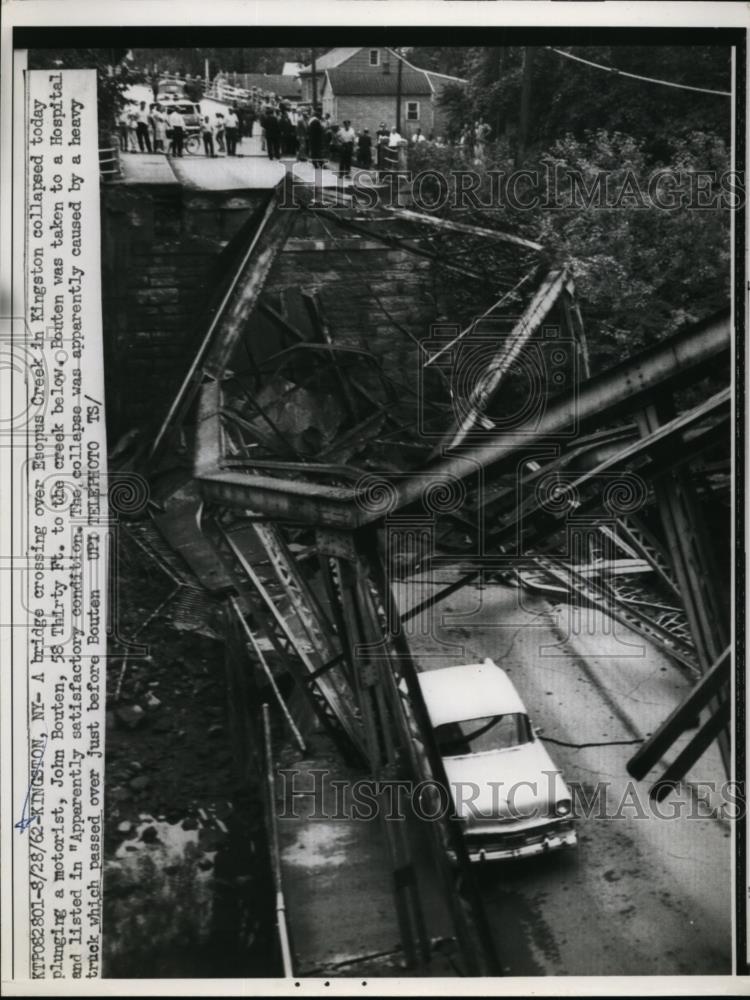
column 641, row 269
column 566, row 96
column 232, row 60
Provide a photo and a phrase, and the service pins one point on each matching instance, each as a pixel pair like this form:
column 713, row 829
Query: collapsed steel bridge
column 307, row 497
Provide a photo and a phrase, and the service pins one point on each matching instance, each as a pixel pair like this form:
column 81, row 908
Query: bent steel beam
column 228, row 321
column 660, row 741
column 462, row 227
column 593, row 402
column 600, row 398
column 509, row 349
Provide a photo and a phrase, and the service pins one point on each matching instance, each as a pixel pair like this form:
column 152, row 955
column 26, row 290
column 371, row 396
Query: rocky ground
column 187, row 888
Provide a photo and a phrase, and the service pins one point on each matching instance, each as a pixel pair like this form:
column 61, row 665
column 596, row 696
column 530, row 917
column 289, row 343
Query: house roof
column 337, row 57
column 291, row 68
column 331, row 59
column 354, row 83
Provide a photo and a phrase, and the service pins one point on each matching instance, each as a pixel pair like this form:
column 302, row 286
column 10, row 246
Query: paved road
column 250, row 170
column 639, row 896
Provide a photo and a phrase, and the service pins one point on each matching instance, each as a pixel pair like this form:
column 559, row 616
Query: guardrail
column 226, row 92
column 109, row 163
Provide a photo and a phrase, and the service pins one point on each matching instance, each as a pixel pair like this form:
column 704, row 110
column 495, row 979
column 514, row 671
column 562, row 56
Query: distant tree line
column 533, row 96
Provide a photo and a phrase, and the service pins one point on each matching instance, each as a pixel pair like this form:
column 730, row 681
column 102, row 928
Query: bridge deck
column 249, row 170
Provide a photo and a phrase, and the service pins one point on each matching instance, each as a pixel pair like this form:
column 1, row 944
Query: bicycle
column 193, row 143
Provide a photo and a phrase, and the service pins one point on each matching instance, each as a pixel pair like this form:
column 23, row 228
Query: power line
column 635, row 76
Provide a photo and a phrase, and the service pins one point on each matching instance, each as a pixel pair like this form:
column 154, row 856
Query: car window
column 494, row 732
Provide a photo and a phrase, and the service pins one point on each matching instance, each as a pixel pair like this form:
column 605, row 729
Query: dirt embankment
column 187, row 888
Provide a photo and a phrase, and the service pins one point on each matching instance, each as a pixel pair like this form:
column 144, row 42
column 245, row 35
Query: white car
column 508, row 794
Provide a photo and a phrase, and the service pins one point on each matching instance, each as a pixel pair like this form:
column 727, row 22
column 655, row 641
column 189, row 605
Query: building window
column 374, row 57
column 412, row 111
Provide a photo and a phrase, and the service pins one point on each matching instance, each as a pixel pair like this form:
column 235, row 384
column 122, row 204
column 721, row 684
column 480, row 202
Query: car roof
column 473, row 691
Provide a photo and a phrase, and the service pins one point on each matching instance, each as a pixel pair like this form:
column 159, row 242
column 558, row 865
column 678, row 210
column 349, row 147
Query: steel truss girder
column 696, row 572
column 718, row 676
column 599, row 399
column 328, row 695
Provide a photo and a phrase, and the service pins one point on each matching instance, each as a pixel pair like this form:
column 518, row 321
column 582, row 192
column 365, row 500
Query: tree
column 568, row 97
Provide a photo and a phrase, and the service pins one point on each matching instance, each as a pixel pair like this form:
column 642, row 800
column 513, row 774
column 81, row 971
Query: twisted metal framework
column 292, row 514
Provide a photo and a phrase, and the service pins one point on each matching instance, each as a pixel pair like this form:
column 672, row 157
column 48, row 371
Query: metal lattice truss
column 304, row 452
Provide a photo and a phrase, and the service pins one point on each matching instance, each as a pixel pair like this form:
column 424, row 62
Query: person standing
column 122, row 128
column 288, row 134
column 381, row 141
column 207, row 131
column 133, row 127
column 364, row 150
column 219, row 132
column 273, row 134
column 315, row 138
column 144, row 139
column 390, row 158
column 160, row 128
column 418, row 137
column 302, row 147
column 177, row 122
column 231, row 131
column 346, row 138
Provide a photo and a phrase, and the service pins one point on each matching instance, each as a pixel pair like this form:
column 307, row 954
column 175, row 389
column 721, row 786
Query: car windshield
column 494, row 732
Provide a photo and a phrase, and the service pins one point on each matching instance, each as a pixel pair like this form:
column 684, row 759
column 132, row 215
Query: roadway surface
column 250, row 170
column 640, row 895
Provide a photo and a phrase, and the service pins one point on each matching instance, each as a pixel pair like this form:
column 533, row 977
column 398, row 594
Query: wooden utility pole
column 525, row 114
column 399, row 71
column 314, row 79
column 499, row 124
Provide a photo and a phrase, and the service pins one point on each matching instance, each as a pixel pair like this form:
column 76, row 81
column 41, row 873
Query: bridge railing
column 220, row 91
column 110, row 168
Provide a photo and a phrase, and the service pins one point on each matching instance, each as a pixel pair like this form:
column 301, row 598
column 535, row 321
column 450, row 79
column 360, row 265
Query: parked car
column 189, row 111
column 508, row 794
column 171, row 88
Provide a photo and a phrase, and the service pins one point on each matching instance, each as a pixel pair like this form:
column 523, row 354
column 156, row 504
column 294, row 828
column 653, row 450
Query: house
column 292, row 69
column 362, row 85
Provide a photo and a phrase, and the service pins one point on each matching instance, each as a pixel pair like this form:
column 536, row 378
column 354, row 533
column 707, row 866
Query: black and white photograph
column 411, row 549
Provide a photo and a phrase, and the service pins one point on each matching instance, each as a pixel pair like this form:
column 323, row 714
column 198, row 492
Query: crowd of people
column 309, row 134
column 285, row 132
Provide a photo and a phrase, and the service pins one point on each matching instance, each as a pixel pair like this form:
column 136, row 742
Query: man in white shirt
column 346, row 138
column 418, row 137
column 231, row 132
column 144, row 139
column 177, row 124
column 390, row 159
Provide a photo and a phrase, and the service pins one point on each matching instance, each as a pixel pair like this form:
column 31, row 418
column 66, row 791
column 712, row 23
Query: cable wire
column 635, row 76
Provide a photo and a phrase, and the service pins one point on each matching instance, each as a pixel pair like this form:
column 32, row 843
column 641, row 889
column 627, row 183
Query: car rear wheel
column 193, row 144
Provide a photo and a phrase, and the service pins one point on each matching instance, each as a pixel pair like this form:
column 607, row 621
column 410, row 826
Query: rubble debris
column 131, row 716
